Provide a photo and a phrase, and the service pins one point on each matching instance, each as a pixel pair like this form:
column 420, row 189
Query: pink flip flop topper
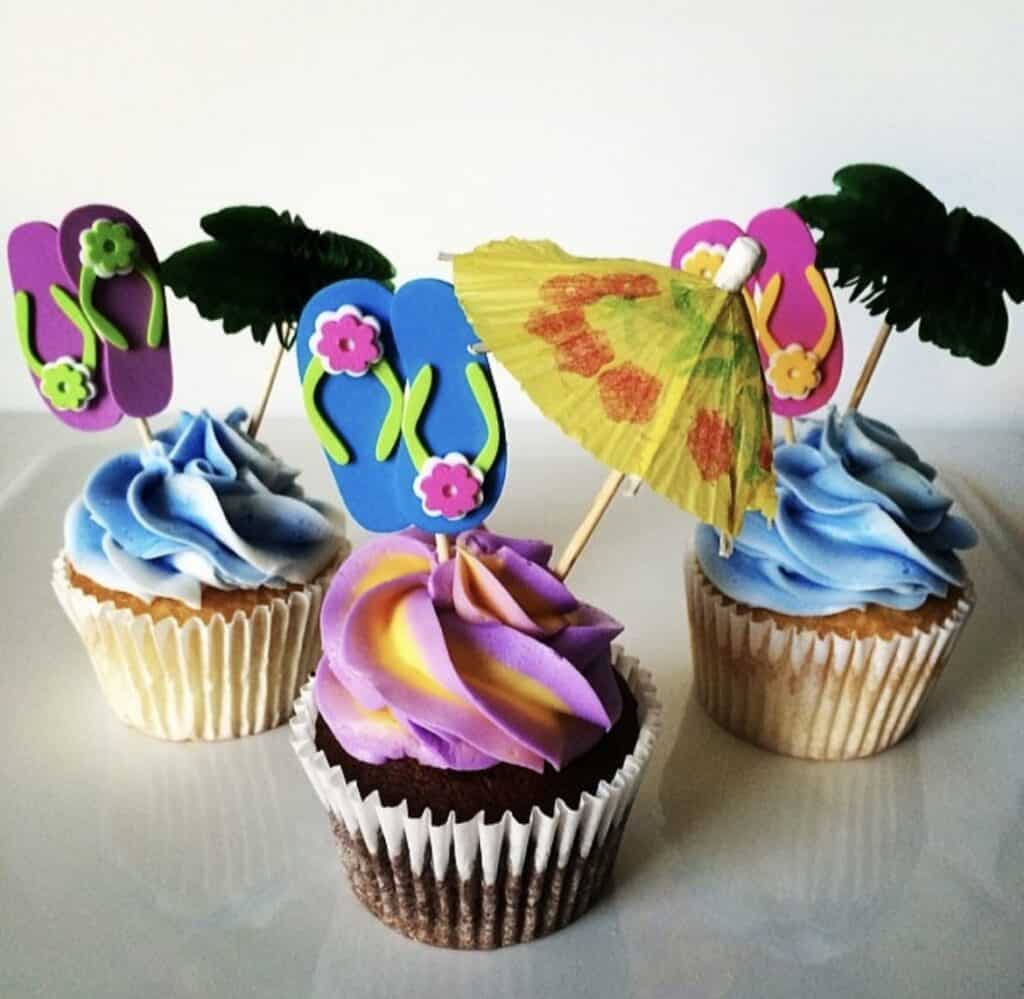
column 121, row 294
column 790, row 301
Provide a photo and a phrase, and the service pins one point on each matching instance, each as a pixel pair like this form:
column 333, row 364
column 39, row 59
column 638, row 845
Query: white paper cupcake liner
column 215, row 679
column 478, row 885
column 796, row 692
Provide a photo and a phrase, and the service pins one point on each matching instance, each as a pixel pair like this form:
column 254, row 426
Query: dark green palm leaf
column 260, row 267
column 896, row 247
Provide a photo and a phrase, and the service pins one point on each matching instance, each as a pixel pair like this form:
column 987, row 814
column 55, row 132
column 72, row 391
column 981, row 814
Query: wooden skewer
column 588, row 525
column 788, row 430
column 444, row 547
column 869, row 365
column 261, row 408
column 144, row 430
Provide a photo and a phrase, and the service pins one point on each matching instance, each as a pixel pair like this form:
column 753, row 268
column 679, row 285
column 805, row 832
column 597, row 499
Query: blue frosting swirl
column 860, row 521
column 204, row 505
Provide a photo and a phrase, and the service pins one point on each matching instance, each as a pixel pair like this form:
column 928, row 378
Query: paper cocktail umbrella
column 653, row 370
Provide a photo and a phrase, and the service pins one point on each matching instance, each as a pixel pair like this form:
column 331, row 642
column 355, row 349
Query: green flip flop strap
column 392, row 427
column 327, row 435
column 23, row 326
column 155, row 322
column 103, row 326
column 415, row 402
column 484, row 396
column 70, row 308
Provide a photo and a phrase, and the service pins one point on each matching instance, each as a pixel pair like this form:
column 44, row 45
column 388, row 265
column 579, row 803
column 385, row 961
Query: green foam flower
column 108, row 248
column 67, row 384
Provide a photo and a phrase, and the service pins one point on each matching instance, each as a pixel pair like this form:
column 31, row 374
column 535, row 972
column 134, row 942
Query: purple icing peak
column 486, row 658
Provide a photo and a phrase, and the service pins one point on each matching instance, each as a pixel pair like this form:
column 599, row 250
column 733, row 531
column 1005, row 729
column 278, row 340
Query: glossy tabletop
column 131, row 867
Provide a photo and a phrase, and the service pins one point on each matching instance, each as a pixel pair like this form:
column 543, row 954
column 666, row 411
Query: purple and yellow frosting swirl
column 484, row 659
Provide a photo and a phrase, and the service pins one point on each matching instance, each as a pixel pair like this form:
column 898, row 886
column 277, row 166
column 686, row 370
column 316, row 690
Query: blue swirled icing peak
column 860, row 521
column 205, row 504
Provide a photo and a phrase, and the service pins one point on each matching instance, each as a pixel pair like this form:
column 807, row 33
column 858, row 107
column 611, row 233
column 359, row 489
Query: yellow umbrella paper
column 653, row 370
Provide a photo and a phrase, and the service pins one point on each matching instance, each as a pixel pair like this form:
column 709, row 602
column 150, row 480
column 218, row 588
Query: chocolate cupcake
column 193, row 570
column 821, row 635
column 475, row 737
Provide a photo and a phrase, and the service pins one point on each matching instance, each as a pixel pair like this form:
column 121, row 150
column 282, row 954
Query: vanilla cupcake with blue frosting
column 193, row 569
column 820, row 635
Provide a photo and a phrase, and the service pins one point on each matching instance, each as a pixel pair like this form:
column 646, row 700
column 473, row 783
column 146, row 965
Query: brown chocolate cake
column 495, row 790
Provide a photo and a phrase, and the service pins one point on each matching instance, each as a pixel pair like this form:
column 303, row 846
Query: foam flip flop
column 352, row 391
column 66, row 359
column 702, row 248
column 795, row 319
column 453, row 438
column 113, row 267
column 797, row 326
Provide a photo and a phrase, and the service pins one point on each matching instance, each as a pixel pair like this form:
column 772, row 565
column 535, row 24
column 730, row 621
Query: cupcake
column 194, row 570
column 476, row 738
column 820, row 635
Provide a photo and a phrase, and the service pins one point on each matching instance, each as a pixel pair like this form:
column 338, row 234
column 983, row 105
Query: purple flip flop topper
column 793, row 312
column 54, row 335
column 119, row 291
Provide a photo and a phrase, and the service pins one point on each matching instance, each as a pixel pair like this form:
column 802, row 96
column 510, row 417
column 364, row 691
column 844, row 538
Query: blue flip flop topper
column 352, row 391
column 452, row 468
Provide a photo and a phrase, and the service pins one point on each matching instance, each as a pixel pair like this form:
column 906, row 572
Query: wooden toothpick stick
column 144, row 430
column 444, row 547
column 283, row 343
column 869, row 365
column 788, row 430
column 588, row 525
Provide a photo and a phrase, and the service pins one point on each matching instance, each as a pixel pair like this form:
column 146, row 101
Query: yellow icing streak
column 492, row 679
column 380, row 716
column 389, row 567
column 396, row 650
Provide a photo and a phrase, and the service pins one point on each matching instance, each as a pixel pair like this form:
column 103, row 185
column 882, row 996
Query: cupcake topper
column 91, row 318
column 258, row 270
column 406, row 413
column 653, row 370
column 790, row 304
column 892, row 240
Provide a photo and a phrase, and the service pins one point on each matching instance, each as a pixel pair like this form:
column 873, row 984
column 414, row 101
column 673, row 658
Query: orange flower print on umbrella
column 628, row 394
column 710, row 444
column 653, row 370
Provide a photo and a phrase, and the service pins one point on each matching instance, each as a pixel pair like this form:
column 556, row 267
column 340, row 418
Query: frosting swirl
column 860, row 520
column 483, row 659
column 204, row 505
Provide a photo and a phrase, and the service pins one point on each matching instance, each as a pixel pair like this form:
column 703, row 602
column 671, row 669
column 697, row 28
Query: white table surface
column 136, row 868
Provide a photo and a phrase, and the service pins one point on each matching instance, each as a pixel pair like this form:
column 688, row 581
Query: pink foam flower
column 449, row 487
column 346, row 341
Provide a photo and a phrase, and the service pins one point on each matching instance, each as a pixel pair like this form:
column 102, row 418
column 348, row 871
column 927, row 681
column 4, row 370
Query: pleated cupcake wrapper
column 796, row 692
column 215, row 679
column 477, row 885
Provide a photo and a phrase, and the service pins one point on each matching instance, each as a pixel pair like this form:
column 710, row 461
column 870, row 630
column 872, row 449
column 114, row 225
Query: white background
column 417, row 126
